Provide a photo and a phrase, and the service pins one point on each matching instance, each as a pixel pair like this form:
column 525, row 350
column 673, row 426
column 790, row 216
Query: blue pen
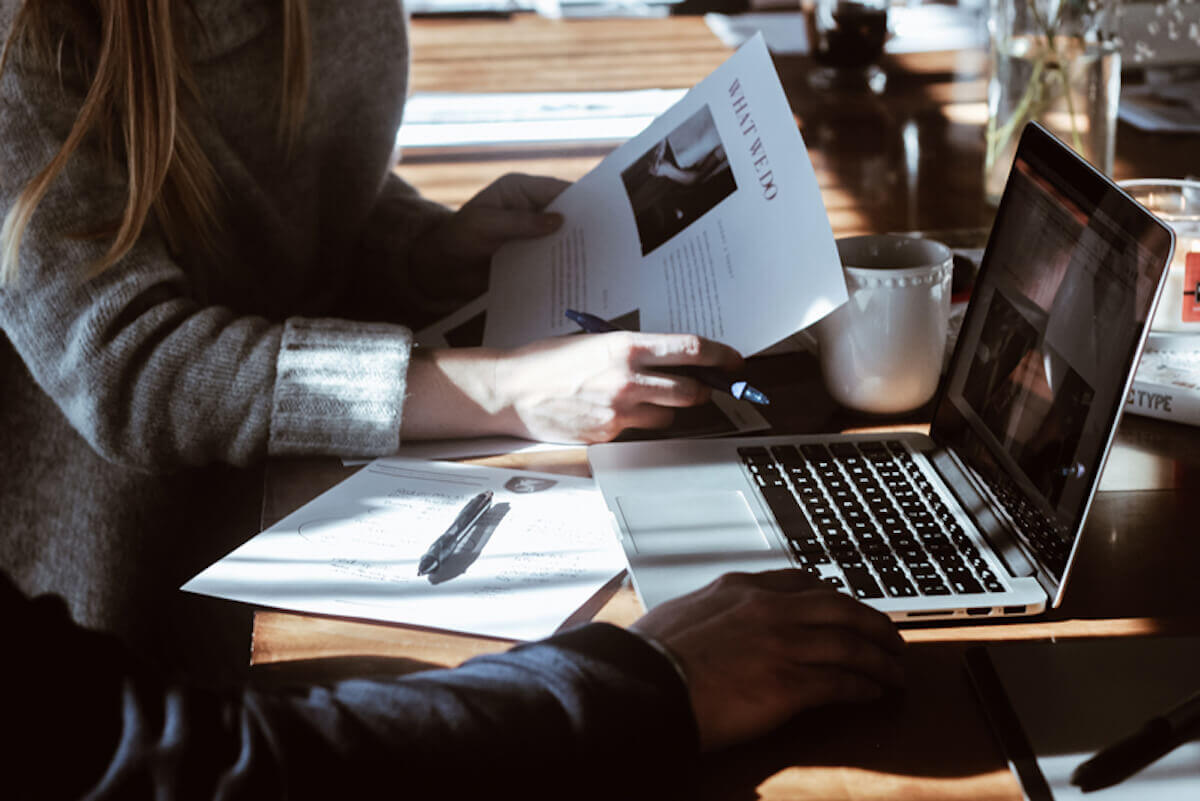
column 712, row 377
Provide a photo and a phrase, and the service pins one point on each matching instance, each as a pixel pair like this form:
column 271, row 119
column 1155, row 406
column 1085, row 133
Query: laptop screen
column 1044, row 358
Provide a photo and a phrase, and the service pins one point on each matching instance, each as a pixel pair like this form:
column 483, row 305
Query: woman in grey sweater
column 207, row 260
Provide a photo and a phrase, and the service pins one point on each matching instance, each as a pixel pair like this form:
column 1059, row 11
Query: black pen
column 1156, row 738
column 708, row 375
column 444, row 545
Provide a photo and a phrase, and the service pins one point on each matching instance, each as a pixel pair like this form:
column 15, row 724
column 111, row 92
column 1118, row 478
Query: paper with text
column 541, row 550
column 709, row 222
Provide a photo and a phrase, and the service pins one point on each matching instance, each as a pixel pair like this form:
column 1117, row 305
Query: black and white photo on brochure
column 678, row 180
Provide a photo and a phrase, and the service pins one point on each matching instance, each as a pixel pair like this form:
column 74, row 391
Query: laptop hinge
column 997, row 532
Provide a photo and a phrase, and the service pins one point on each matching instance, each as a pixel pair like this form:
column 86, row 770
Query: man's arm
column 596, row 712
column 578, row 715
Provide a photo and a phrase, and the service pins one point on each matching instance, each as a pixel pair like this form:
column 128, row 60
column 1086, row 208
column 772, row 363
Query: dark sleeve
column 595, row 712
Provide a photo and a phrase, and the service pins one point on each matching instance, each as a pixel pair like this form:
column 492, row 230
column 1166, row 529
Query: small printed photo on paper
column 526, row 484
column 678, row 180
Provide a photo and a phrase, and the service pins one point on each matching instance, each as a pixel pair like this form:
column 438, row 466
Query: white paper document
column 459, row 119
column 710, row 222
column 911, row 28
column 1162, row 108
column 540, row 551
column 467, row 448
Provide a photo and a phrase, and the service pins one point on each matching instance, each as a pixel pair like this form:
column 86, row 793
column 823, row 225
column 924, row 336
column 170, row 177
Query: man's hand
column 453, row 258
column 759, row 648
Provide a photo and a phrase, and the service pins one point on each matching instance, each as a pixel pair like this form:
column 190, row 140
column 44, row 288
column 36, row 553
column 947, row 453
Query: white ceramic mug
column 882, row 351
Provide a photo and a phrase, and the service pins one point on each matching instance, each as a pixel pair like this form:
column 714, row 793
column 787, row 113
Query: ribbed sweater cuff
column 339, row 388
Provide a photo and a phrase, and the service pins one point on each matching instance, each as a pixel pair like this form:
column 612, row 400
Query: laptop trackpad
column 692, row 523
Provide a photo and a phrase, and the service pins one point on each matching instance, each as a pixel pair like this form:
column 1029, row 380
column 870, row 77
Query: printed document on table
column 446, row 120
column 468, row 447
column 710, row 221
column 542, row 549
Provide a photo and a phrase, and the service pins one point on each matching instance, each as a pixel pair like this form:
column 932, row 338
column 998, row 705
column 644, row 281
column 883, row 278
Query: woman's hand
column 453, row 259
column 590, row 388
column 582, row 388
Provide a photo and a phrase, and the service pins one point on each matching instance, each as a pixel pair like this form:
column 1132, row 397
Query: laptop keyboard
column 1050, row 541
column 863, row 518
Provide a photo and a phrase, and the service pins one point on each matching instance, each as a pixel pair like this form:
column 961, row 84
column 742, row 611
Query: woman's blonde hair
column 136, row 79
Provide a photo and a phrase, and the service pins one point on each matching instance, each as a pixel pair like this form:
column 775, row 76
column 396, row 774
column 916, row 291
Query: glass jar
column 1057, row 62
column 1176, row 203
column 847, row 39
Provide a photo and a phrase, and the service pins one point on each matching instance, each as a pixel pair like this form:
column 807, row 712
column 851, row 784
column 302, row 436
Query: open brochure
column 710, row 222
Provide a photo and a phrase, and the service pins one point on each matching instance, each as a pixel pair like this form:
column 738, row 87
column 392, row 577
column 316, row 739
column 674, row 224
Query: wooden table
column 910, row 159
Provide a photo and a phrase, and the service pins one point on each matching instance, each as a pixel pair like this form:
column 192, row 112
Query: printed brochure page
column 709, row 222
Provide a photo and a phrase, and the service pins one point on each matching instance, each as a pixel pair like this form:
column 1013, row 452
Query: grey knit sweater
column 136, row 404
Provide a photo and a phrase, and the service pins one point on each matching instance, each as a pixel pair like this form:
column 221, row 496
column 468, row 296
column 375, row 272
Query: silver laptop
column 983, row 516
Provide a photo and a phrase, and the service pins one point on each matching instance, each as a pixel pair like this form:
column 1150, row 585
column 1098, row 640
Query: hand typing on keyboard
column 757, row 649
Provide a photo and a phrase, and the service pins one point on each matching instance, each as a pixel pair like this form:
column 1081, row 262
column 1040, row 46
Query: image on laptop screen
column 1064, row 293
